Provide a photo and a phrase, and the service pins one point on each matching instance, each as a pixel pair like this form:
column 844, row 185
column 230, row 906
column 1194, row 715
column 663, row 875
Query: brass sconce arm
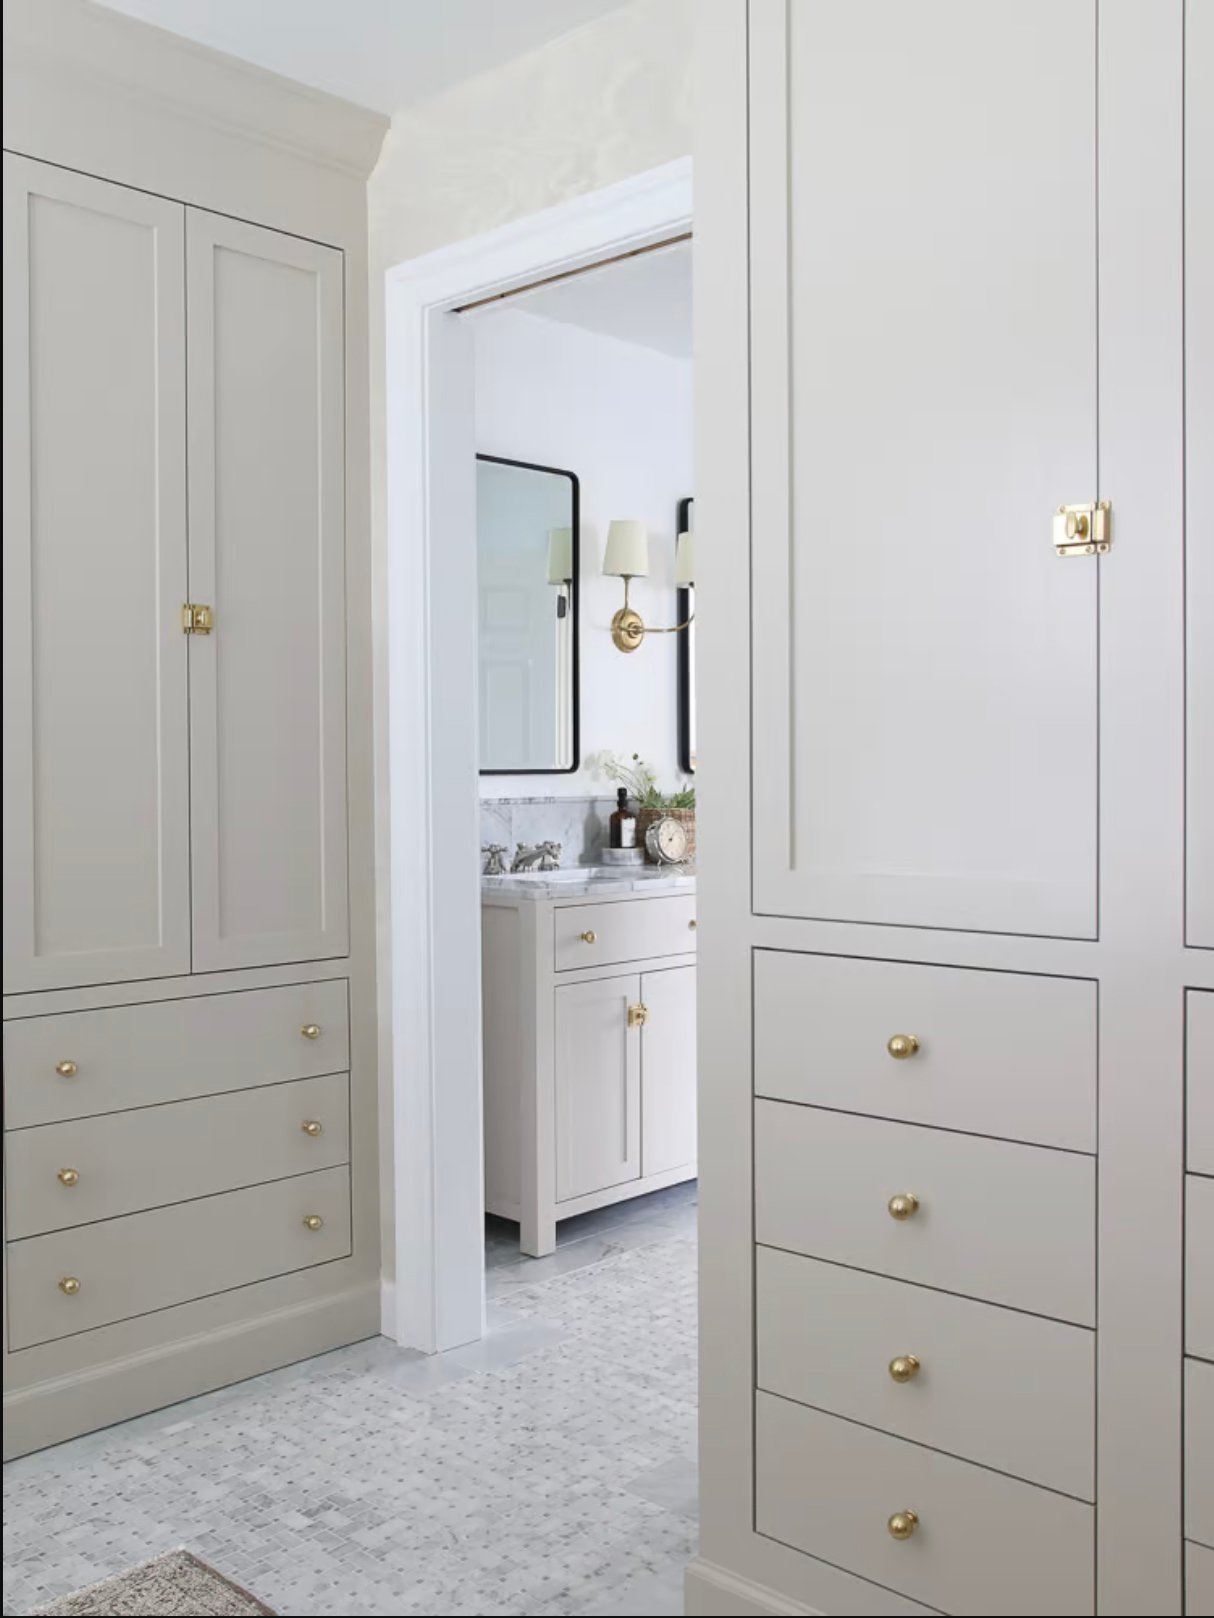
column 628, row 628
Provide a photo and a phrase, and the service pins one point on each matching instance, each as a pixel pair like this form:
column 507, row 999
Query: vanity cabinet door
column 668, row 1070
column 598, row 1086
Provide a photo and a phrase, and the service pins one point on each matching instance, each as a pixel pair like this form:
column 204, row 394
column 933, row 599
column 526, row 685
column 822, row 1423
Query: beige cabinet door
column 1199, row 471
column 924, row 369
column 96, row 871
column 267, row 686
column 668, row 1070
column 598, row 1086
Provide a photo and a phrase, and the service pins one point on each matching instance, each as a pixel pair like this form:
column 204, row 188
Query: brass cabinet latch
column 638, row 1016
column 1084, row 530
column 196, row 619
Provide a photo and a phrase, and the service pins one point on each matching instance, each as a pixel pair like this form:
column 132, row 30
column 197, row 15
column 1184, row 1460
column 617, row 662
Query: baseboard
column 713, row 1592
column 50, row 1412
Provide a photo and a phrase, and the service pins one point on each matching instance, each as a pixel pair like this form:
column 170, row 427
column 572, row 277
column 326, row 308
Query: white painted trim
column 430, row 659
column 713, row 1592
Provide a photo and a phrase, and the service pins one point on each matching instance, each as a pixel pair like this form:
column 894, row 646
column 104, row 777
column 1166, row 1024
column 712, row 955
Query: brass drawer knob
column 589, row 937
column 903, row 1205
column 905, row 1368
column 312, row 1126
column 69, row 1177
column 66, row 1070
column 312, row 1221
column 69, row 1286
column 902, row 1046
column 310, row 1030
column 692, row 924
column 903, row 1524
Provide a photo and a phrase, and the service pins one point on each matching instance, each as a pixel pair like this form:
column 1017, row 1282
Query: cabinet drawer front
column 983, row 1543
column 1010, row 1224
column 169, row 1050
column 629, row 930
column 1007, row 1390
column 1199, row 1451
column 998, row 1053
column 1199, row 1266
column 1199, row 1581
column 148, row 1261
column 1199, row 1073
column 158, row 1155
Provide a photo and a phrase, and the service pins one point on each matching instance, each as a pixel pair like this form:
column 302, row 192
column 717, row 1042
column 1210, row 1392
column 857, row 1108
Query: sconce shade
column 560, row 555
column 685, row 560
column 627, row 552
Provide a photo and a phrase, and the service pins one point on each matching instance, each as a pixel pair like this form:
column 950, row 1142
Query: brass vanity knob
column 69, row 1286
column 589, row 937
column 66, row 1070
column 903, row 1205
column 1077, row 525
column 312, row 1126
column 692, row 924
column 312, row 1221
column 638, row 1016
column 310, row 1030
column 902, row 1046
column 903, row 1524
column 69, row 1176
column 905, row 1368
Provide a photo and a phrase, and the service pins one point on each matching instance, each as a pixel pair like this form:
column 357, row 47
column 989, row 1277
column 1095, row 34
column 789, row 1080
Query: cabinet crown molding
column 90, row 48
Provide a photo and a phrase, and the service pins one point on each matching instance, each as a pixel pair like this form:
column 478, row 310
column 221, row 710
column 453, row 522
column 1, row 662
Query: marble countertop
column 590, row 882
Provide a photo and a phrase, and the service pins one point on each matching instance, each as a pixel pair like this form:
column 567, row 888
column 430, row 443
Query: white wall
column 619, row 416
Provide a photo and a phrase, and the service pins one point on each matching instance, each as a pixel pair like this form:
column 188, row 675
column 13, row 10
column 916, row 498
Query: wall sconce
column 627, row 557
column 560, row 565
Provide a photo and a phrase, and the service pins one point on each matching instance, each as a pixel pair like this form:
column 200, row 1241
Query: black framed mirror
column 527, row 544
column 686, row 644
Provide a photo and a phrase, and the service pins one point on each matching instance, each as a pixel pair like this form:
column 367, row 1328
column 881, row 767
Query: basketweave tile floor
column 546, row 1470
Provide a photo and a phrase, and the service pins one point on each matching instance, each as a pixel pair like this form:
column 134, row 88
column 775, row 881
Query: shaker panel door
column 598, row 1086
column 96, row 813
column 268, row 685
column 923, row 276
column 668, row 1070
column 1199, row 470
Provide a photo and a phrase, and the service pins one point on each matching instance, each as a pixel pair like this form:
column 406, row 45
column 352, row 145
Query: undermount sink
column 569, row 873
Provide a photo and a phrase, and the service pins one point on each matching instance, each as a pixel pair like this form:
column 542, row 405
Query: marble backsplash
column 578, row 824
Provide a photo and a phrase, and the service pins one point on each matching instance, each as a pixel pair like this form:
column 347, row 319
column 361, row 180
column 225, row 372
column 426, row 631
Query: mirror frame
column 683, row 607
column 575, row 609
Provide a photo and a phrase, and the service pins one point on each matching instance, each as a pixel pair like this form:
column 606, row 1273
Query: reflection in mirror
column 686, row 643
column 527, row 597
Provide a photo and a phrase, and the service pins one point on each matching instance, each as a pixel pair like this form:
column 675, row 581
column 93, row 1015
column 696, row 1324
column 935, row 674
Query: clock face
column 667, row 842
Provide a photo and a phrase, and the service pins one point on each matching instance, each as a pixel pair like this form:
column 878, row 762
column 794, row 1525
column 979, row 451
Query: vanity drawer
column 1199, row 1266
column 982, row 1543
column 148, row 1261
column 1199, row 1581
column 627, row 930
column 1007, row 1223
column 1199, row 1079
column 169, row 1050
column 1199, row 1451
column 1007, row 1390
column 995, row 1053
column 157, row 1155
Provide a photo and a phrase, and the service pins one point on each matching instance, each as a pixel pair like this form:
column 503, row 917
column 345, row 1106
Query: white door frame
column 432, row 727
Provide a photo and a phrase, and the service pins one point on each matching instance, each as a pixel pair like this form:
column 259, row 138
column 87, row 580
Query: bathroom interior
column 585, row 613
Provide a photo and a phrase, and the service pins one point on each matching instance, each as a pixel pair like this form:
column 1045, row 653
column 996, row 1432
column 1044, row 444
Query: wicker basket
column 685, row 817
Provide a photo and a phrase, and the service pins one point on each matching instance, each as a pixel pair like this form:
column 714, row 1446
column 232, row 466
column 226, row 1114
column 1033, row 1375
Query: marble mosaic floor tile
column 548, row 1470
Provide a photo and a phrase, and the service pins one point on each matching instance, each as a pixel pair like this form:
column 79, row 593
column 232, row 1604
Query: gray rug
column 175, row 1585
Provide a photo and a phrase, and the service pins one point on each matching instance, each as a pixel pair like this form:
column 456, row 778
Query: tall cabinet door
column 597, row 1086
column 1199, row 471
column 668, row 1070
column 96, row 813
column 268, row 684
column 923, row 240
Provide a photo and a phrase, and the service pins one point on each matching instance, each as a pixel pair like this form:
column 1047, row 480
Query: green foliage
column 641, row 783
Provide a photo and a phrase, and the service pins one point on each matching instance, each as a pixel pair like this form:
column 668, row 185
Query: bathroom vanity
column 589, row 994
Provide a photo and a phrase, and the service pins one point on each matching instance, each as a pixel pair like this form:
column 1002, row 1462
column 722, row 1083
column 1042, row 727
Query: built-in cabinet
column 953, row 380
column 189, row 1113
column 589, row 1052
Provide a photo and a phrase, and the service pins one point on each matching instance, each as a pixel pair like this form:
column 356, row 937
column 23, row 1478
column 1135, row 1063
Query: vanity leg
column 537, row 1234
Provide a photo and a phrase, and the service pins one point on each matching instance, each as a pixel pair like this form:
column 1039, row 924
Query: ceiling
column 644, row 300
column 384, row 54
